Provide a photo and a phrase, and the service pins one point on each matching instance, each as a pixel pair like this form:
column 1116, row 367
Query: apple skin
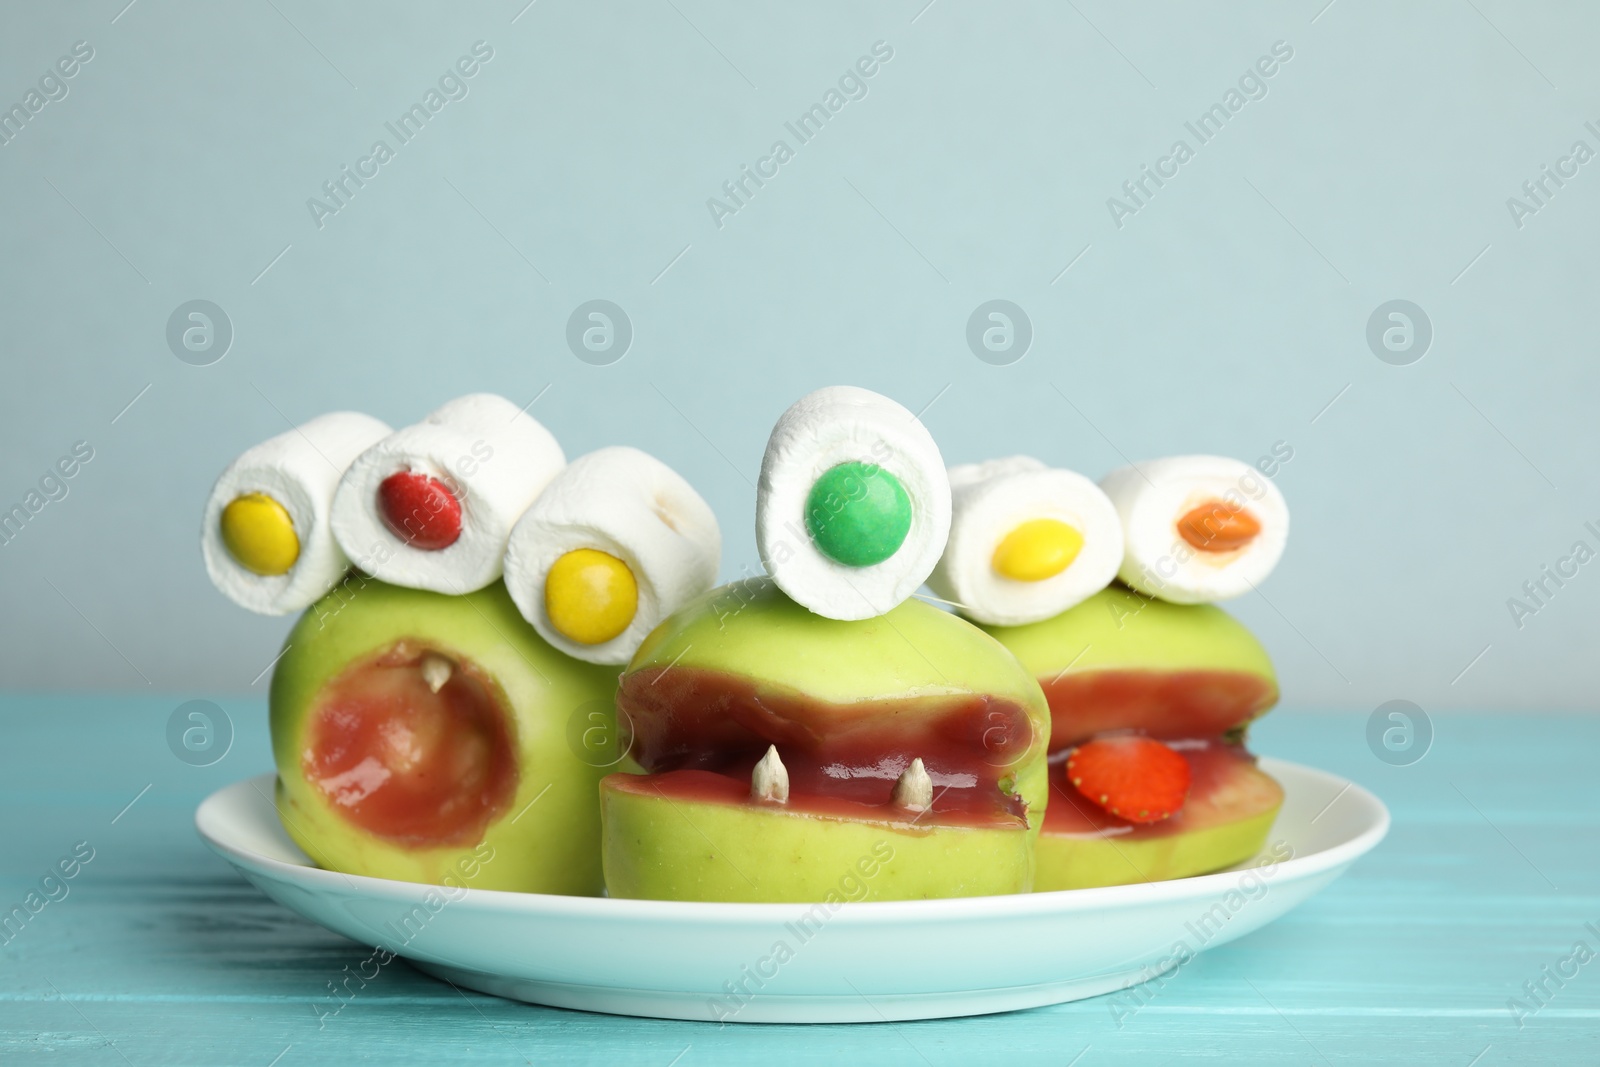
column 1118, row 631
column 1211, row 843
column 1117, row 628
column 1065, row 863
column 709, row 850
column 654, row 846
column 554, row 845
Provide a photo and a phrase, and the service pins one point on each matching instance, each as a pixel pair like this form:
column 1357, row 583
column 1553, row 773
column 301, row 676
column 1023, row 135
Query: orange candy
column 1216, row 526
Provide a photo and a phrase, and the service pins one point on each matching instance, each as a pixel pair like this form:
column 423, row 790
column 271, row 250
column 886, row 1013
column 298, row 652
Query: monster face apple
column 785, row 752
column 418, row 735
column 1149, row 705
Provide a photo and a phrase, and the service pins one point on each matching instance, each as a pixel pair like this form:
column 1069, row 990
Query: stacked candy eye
column 266, row 537
column 432, row 505
column 616, row 543
column 853, row 506
column 1198, row 528
column 1026, row 541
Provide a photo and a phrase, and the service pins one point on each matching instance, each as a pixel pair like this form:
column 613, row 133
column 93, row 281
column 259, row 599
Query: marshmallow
column 853, row 505
column 616, row 543
column 432, row 505
column 266, row 537
column 1198, row 528
column 1027, row 542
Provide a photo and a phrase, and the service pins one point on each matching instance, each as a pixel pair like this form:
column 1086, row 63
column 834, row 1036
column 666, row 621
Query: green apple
column 1122, row 661
column 1225, row 820
column 857, row 713
column 427, row 738
column 1187, row 673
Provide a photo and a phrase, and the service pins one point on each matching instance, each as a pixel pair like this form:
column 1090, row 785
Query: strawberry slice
column 1134, row 778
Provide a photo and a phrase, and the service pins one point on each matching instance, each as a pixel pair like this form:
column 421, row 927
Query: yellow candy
column 260, row 535
column 1036, row 550
column 590, row 596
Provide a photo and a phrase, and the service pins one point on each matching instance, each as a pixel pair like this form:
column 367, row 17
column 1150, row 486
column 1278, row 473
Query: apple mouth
column 1225, row 786
column 1162, row 704
column 700, row 733
column 413, row 744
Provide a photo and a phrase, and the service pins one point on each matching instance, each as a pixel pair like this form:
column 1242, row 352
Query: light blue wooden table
column 159, row 954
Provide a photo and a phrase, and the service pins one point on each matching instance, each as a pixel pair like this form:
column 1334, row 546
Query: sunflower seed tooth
column 770, row 779
column 913, row 790
column 436, row 671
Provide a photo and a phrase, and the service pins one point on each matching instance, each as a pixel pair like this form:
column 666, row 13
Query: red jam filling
column 700, row 733
column 413, row 765
column 1162, row 704
column 1224, row 787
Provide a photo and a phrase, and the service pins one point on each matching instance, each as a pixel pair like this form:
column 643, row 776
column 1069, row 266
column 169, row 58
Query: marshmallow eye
column 853, row 505
column 1036, row 550
column 590, row 596
column 432, row 505
column 259, row 534
column 1217, row 527
column 1026, row 542
column 615, row 543
column 267, row 536
column 858, row 514
column 420, row 510
column 1198, row 529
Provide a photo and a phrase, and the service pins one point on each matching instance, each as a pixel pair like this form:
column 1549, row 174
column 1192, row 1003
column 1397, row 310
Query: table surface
column 159, row 953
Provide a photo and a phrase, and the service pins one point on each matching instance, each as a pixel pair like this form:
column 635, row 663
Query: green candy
column 858, row 514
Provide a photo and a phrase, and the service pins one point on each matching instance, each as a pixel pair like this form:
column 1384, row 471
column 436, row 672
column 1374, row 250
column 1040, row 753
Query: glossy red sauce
column 1224, row 787
column 1164, row 704
column 842, row 759
column 401, row 761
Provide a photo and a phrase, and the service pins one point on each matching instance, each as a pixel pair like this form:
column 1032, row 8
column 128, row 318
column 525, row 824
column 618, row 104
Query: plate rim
column 722, row 913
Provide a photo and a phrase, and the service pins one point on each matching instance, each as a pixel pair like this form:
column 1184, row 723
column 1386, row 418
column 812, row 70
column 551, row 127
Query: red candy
column 420, row 510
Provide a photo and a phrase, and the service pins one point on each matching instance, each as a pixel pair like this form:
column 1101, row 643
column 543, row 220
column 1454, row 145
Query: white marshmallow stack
column 631, row 506
column 494, row 458
column 991, row 500
column 1160, row 499
column 832, row 426
column 300, row 471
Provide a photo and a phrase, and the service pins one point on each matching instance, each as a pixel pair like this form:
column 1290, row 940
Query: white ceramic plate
column 862, row 962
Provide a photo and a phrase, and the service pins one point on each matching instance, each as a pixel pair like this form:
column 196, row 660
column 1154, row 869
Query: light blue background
column 1225, row 316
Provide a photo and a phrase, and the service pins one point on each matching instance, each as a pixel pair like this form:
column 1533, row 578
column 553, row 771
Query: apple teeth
column 436, row 671
column 913, row 790
column 770, row 779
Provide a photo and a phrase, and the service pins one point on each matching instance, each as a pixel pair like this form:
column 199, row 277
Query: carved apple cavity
column 840, row 759
column 421, row 735
column 415, row 745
